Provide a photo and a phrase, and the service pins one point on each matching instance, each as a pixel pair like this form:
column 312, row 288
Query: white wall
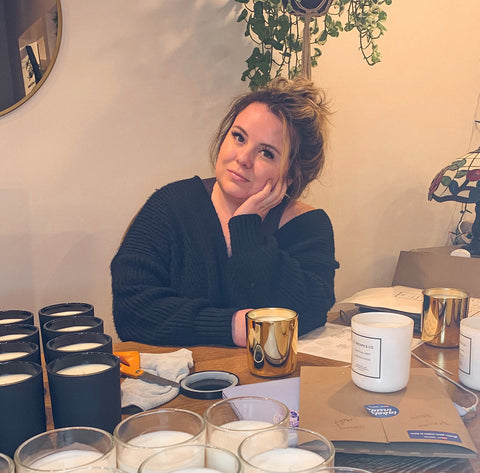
column 136, row 93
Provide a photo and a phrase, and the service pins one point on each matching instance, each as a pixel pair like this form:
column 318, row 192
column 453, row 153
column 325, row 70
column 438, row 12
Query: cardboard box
column 434, row 267
column 419, row 420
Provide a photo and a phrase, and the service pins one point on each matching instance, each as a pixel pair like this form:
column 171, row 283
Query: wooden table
column 234, row 360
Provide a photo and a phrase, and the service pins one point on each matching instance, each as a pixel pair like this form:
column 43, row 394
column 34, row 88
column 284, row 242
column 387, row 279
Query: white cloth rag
column 173, row 366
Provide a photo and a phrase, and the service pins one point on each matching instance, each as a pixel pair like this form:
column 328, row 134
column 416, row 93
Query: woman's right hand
column 261, row 202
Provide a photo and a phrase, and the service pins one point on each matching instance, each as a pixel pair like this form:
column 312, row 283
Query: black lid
column 207, row 384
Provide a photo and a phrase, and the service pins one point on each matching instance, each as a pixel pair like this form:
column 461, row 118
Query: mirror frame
column 49, row 68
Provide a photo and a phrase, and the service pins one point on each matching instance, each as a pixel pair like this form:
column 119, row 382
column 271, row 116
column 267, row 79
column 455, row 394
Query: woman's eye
column 267, row 153
column 238, row 136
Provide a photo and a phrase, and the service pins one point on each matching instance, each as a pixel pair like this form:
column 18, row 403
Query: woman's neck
column 223, row 205
column 225, row 210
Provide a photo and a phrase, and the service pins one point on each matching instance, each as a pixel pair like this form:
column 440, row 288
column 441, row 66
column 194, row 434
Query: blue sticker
column 294, row 419
column 381, row 410
column 433, row 435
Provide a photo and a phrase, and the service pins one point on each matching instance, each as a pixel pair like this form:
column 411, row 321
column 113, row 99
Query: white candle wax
column 287, row 460
column 87, row 368
column 13, row 336
column 66, row 312
column 13, row 378
column 271, row 318
column 67, row 459
column 11, row 355
column 9, row 321
column 231, row 434
column 143, row 446
column 385, row 324
column 79, row 346
column 197, row 470
column 74, row 328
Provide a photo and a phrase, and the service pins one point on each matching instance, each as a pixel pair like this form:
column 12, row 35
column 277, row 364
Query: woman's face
column 251, row 153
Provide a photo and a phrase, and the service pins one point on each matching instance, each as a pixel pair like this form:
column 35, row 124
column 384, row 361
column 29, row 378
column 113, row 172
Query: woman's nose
column 245, row 157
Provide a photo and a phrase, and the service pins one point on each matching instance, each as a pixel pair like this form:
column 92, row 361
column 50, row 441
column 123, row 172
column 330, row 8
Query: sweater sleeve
column 157, row 278
column 147, row 310
column 293, row 268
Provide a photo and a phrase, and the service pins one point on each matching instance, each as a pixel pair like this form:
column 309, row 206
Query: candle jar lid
column 207, row 384
column 8, row 317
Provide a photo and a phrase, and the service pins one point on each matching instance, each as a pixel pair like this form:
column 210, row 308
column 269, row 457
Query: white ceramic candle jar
column 381, row 346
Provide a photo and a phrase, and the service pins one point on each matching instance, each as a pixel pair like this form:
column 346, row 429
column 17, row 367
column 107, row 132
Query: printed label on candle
column 464, row 354
column 287, row 459
column 12, row 355
column 13, row 336
column 366, row 353
column 87, row 368
column 67, row 459
column 79, row 346
column 74, row 328
column 9, row 321
column 129, row 459
column 13, row 378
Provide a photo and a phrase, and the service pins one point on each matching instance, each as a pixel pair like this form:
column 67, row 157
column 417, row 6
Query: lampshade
column 460, row 182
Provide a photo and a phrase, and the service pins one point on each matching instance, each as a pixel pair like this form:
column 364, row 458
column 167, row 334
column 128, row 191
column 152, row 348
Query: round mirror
column 30, row 33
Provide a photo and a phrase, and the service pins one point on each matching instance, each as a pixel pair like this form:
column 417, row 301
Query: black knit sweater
column 174, row 284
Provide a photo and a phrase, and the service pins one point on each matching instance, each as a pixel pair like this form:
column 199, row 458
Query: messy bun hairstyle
column 302, row 108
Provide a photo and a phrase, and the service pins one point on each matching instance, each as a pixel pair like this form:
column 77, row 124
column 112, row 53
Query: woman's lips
column 237, row 177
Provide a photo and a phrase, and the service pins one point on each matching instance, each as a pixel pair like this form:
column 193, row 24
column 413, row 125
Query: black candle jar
column 85, row 390
column 64, row 309
column 8, row 317
column 75, row 323
column 20, row 332
column 19, row 350
column 22, row 403
column 69, row 343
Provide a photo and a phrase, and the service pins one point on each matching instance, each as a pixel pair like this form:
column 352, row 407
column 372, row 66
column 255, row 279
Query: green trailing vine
column 278, row 34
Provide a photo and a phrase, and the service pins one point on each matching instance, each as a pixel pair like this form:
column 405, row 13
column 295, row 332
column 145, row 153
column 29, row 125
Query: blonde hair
column 302, row 108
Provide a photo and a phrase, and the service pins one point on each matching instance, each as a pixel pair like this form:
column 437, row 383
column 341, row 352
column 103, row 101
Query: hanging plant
column 277, row 27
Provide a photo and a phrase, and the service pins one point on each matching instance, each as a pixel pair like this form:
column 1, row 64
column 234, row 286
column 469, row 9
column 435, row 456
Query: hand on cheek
column 264, row 200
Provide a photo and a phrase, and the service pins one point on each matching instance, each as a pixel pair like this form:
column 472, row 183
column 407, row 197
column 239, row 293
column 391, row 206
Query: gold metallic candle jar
column 272, row 335
column 443, row 308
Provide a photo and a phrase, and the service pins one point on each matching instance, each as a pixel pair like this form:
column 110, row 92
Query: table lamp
column 460, row 182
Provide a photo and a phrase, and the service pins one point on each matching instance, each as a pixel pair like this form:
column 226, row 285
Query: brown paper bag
column 419, row 420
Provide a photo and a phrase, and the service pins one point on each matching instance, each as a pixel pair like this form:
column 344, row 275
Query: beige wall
column 139, row 87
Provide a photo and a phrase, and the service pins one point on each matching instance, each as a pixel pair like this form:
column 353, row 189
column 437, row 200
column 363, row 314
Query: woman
column 201, row 253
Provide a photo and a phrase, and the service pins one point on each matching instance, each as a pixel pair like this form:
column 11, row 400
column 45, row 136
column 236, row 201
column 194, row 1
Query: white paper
column 332, row 341
column 399, row 299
